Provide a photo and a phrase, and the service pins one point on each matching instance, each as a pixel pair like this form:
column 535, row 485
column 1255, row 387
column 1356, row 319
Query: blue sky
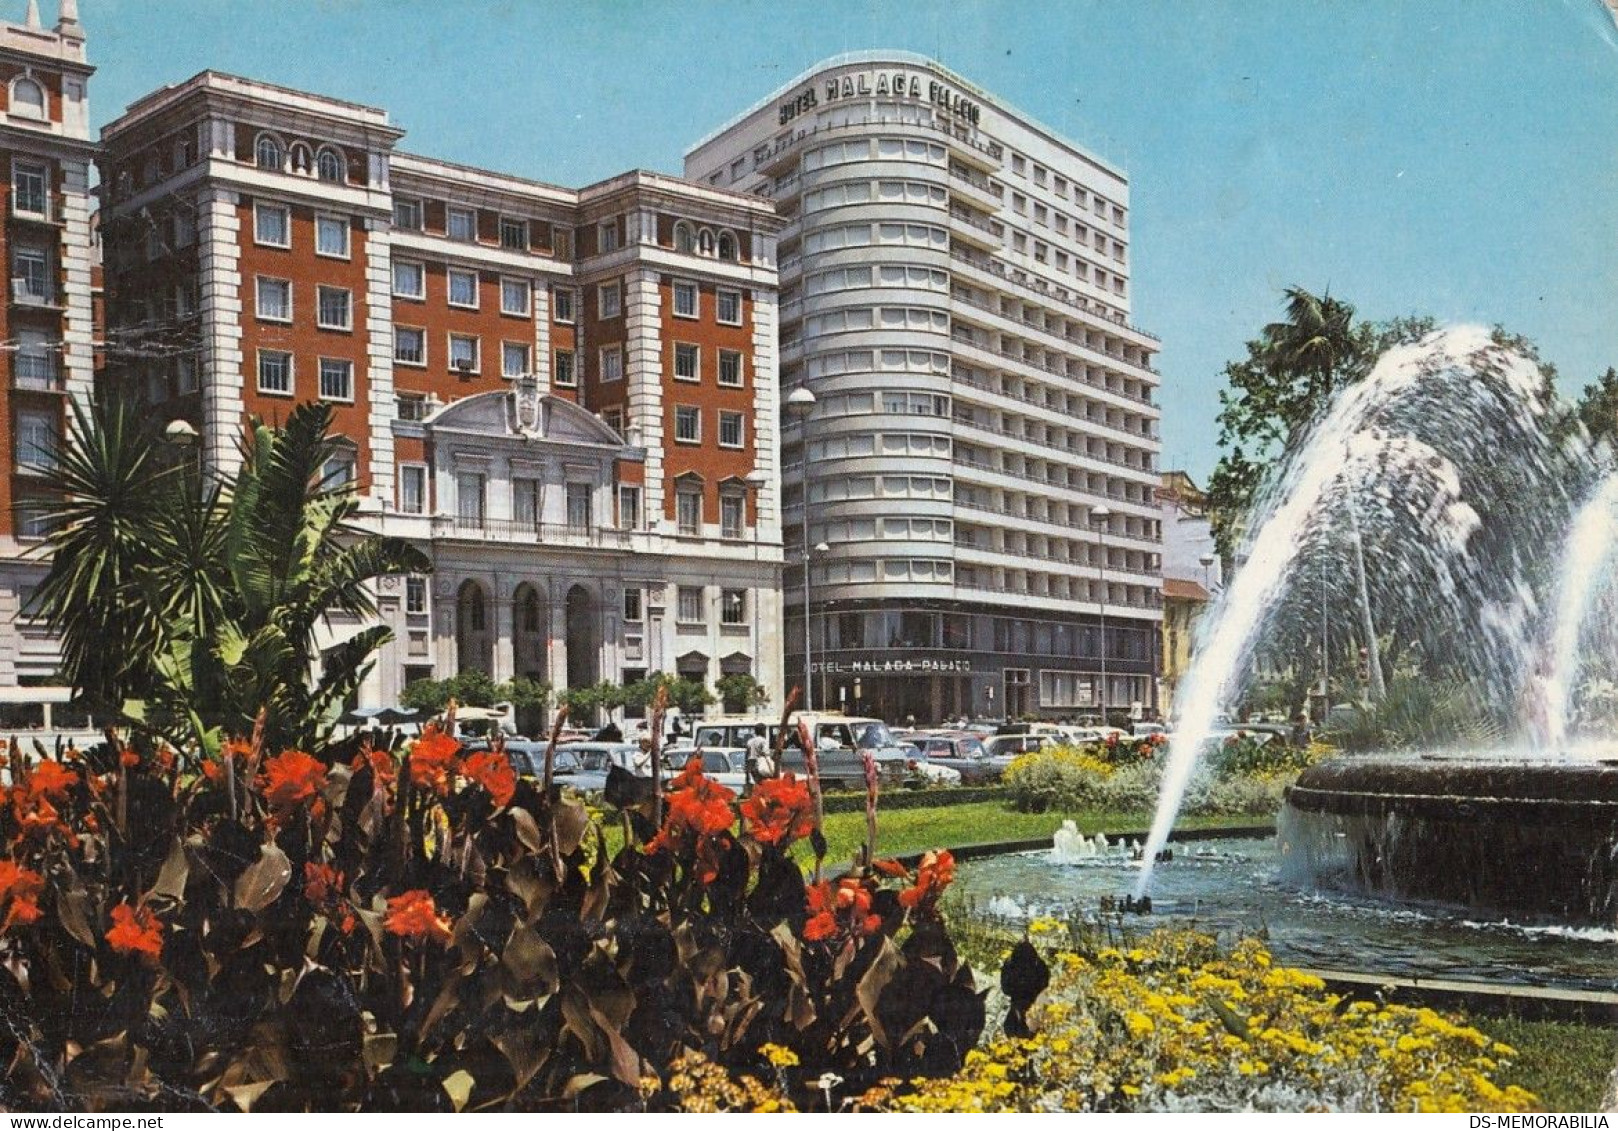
column 1457, row 158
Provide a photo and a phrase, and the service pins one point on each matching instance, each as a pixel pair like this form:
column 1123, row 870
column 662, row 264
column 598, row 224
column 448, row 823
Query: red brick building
column 567, row 396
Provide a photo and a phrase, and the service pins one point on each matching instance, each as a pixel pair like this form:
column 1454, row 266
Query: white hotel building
column 983, row 446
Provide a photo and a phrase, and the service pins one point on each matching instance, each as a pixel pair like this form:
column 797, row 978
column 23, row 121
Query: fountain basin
column 1499, row 835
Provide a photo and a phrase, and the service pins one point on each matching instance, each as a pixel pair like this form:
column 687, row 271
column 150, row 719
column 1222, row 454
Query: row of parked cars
column 938, row 757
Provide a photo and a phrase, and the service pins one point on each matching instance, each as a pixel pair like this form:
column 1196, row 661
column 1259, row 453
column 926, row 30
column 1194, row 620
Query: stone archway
column 583, row 638
column 530, row 633
column 474, row 629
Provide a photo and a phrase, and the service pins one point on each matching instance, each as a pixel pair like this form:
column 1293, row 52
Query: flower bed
column 1170, row 1024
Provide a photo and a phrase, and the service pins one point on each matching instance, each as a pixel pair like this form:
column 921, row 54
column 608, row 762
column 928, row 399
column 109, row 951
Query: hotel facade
column 978, row 466
column 566, row 397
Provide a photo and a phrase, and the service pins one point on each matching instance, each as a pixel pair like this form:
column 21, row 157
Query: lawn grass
column 904, row 831
column 1566, row 1065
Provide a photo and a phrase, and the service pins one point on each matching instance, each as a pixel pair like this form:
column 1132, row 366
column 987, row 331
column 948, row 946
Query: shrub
column 1058, row 777
column 419, row 929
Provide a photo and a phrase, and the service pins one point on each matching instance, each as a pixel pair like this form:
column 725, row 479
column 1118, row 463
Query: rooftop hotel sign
column 881, row 84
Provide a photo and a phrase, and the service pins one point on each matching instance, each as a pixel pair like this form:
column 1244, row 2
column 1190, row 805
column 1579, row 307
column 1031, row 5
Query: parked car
column 727, row 767
column 1004, row 749
column 923, row 770
column 596, row 758
column 838, row 738
column 962, row 752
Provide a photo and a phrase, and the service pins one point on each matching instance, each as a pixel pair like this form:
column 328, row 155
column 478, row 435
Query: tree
column 1597, row 409
column 741, row 692
column 212, row 593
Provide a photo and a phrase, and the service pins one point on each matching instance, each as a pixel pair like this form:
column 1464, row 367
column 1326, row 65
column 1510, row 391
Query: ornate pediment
column 523, row 411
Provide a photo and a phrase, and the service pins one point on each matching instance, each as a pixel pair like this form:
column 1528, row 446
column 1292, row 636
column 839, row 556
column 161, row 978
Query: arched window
column 267, row 153
column 329, row 166
column 302, row 158
column 727, row 246
column 27, row 98
column 705, row 242
column 476, row 613
column 682, row 238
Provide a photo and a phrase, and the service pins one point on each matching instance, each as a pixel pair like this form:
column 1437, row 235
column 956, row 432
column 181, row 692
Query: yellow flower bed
column 1172, row 1024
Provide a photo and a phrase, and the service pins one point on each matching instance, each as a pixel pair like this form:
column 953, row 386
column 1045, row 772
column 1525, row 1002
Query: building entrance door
column 1016, row 682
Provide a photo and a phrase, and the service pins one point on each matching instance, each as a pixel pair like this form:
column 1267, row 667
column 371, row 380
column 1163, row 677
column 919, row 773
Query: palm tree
column 1318, row 346
column 216, row 593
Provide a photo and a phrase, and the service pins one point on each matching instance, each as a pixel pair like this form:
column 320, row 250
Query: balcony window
column 629, row 508
column 578, row 507
column 469, row 498
column 30, row 277
column 39, row 435
column 733, row 606
column 463, row 225
column 525, row 502
column 689, row 608
column 732, row 515
column 407, row 214
column 413, row 490
column 688, row 511
column 513, row 234
column 28, row 189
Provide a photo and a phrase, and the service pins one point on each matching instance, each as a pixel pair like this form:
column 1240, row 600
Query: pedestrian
column 759, row 763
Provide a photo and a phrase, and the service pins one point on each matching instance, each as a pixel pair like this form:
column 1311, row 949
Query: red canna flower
column 291, row 779
column 779, row 811
column 936, row 872
column 50, row 779
column 384, row 768
column 698, row 810
column 323, row 888
column 135, row 931
column 21, row 889
column 432, row 760
column 845, row 909
column 494, row 773
column 414, row 915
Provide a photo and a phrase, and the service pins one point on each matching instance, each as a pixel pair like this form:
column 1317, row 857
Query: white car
column 918, row 765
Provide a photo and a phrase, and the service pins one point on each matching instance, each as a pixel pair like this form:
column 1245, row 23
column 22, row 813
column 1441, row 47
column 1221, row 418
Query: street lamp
column 801, row 403
column 1207, row 561
column 1099, row 517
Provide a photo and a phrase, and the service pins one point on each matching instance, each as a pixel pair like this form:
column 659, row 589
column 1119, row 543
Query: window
column 38, row 437
column 613, row 418
column 339, row 470
column 407, row 214
column 329, row 166
column 525, row 502
column 632, row 606
column 272, row 225
column 515, row 296
column 688, row 424
column 336, row 379
column 733, row 606
column 331, row 236
column 730, row 308
column 612, row 363
column 335, row 309
column 730, row 368
column 688, row 510
column 463, row 225
column 275, row 299
column 685, row 300
column 275, row 372
column 683, row 240
column 732, row 516
column 609, row 300
column 463, row 353
column 565, row 375
column 30, row 276
column 415, row 587
column 28, row 189
column 686, row 361
column 629, row 507
column 410, row 345
column 469, row 497
column 513, row 234
column 578, row 507
column 730, row 429
column 689, row 609
column 607, row 237
column 413, row 494
column 463, row 288
column 514, row 360
column 562, row 305
column 268, row 154
column 409, row 279
column 411, row 406
column 727, row 246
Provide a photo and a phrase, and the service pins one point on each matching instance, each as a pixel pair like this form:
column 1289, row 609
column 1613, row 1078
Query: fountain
column 1586, row 567
column 1411, row 459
